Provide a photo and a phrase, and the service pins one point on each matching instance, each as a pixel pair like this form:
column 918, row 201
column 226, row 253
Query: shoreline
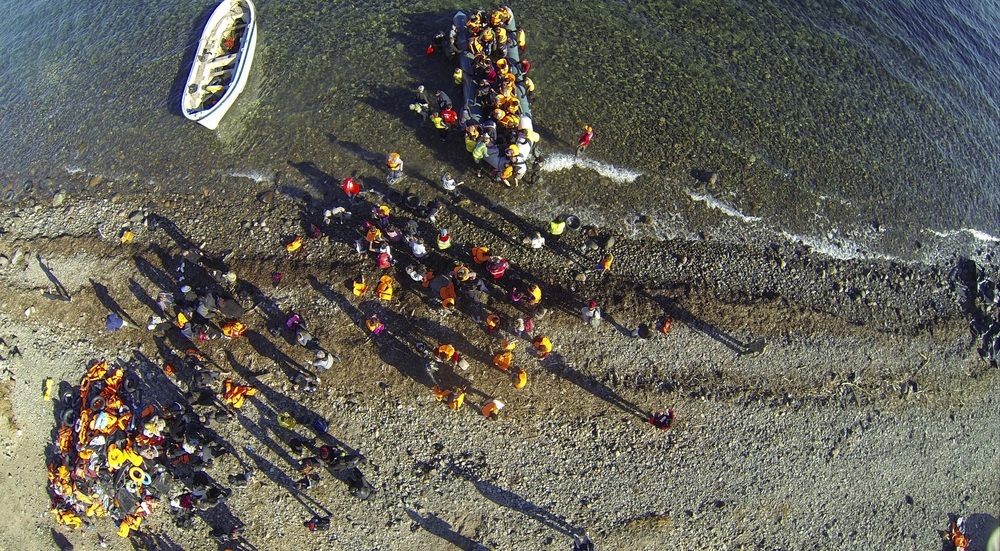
column 840, row 379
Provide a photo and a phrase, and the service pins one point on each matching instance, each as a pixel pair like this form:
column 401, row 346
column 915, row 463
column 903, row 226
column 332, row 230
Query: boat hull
column 218, row 76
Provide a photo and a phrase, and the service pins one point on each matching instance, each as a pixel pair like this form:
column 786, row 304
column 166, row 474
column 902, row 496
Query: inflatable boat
column 504, row 61
column 221, row 63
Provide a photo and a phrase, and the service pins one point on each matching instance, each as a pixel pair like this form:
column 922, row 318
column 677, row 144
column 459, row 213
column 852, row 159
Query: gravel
column 866, row 419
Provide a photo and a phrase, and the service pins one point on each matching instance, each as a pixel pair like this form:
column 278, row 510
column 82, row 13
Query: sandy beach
column 819, row 403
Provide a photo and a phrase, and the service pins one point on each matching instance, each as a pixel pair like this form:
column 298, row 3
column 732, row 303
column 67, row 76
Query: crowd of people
column 115, row 459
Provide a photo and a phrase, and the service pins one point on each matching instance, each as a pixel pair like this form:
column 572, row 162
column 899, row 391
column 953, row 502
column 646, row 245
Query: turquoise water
column 858, row 127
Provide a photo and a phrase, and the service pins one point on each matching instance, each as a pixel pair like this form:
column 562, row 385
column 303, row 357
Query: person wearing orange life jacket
column 480, row 254
column 464, row 274
column 374, row 324
column 493, row 322
column 491, row 409
column 444, row 239
column 605, row 263
column 446, row 353
column 448, row 295
column 360, row 287
column 542, row 345
column 534, row 294
column 384, row 289
column 453, row 398
column 666, row 324
column 506, row 173
column 503, row 67
column 233, row 329
column 509, row 121
column 501, row 17
column 513, row 107
column 503, row 360
column 395, row 165
column 519, row 378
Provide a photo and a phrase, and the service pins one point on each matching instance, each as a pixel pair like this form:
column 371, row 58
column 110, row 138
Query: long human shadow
column 62, row 544
column 63, row 294
column 557, row 365
column 165, row 391
column 285, row 482
column 264, row 347
column 978, row 528
column 479, row 222
column 139, row 292
column 110, row 304
column 557, row 245
column 276, row 401
column 394, row 348
column 146, row 540
column 155, row 275
column 683, row 315
column 510, row 500
column 435, row 525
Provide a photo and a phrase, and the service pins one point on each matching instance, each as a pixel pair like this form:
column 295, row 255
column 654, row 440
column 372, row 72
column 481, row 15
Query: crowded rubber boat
column 496, row 113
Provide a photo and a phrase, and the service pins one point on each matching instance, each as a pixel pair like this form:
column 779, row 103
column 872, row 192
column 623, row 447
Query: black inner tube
column 97, row 403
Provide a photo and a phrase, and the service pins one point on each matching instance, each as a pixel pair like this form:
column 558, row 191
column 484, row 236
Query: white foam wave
column 980, row 235
column 254, row 175
column 841, row 250
column 75, row 169
column 561, row 161
column 714, row 203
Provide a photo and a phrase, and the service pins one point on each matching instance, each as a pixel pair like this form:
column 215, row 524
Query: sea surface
column 858, row 128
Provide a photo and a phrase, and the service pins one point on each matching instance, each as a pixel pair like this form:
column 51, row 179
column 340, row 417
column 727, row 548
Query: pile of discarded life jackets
column 102, row 462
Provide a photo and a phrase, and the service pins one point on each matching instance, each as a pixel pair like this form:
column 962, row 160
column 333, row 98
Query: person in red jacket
column 588, row 134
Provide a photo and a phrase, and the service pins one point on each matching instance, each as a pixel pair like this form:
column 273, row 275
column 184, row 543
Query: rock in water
column 58, row 198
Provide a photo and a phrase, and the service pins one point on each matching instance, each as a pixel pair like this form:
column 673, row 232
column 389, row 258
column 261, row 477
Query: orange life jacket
column 384, row 289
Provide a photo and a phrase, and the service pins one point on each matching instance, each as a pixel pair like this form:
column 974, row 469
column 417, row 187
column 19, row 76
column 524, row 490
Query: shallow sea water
column 857, row 128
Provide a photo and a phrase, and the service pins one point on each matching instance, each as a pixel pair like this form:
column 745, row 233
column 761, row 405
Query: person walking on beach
column 662, row 419
column 581, row 146
column 491, row 409
column 444, row 102
column 395, row 165
column 324, row 360
column 542, row 346
column 592, row 314
column 423, row 98
column 479, row 152
column 449, row 184
column 440, row 125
